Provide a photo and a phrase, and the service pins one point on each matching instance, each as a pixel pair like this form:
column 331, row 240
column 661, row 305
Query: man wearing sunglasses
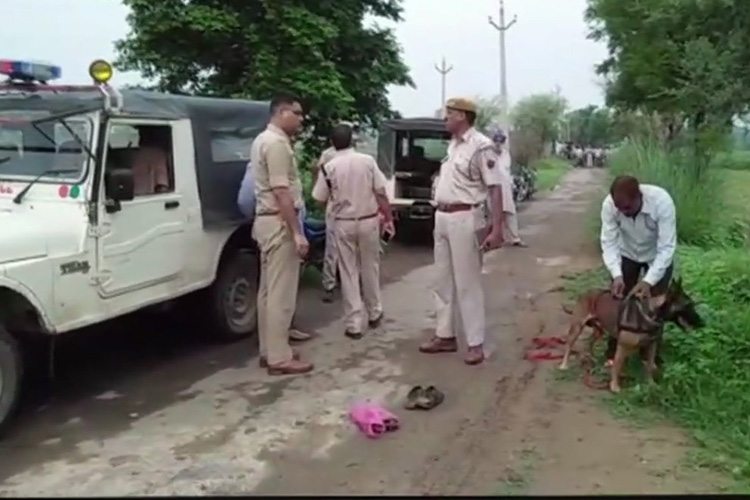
column 278, row 192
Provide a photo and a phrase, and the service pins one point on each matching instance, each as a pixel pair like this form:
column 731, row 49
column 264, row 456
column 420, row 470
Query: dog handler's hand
column 617, row 288
column 641, row 290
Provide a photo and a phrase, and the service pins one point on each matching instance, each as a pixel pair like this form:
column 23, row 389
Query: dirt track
column 157, row 414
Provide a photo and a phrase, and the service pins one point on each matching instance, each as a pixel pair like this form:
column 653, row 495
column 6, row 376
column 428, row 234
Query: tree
column 686, row 60
column 489, row 113
column 537, row 119
column 321, row 51
column 590, row 126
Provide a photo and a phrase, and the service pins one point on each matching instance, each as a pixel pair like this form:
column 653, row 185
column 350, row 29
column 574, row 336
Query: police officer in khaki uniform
column 278, row 193
column 355, row 188
column 467, row 177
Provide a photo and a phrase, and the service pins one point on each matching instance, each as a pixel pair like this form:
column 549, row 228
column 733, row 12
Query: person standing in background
column 354, row 188
column 509, row 205
column 330, row 257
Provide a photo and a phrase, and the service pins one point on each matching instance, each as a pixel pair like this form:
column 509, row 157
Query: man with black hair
column 638, row 235
column 282, row 244
column 355, row 188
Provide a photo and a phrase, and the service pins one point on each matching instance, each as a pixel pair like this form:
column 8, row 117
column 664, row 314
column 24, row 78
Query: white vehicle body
column 81, row 248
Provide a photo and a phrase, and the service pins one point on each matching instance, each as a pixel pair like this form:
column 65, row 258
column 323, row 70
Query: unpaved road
column 144, row 412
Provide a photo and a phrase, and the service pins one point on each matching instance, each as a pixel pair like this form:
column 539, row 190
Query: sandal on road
column 420, row 398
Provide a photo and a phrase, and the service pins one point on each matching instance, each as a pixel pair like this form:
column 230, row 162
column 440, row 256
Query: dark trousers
column 631, row 274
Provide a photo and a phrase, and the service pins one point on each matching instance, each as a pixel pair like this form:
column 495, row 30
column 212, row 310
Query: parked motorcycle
column 524, row 182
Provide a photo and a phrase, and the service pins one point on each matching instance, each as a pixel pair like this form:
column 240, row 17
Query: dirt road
column 146, row 413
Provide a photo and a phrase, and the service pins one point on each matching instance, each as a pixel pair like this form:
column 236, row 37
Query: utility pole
column 501, row 27
column 443, row 69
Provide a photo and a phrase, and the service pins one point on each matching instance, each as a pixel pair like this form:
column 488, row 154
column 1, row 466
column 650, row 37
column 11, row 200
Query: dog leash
column 542, row 350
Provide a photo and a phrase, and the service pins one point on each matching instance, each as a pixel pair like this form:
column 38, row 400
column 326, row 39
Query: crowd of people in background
column 583, row 156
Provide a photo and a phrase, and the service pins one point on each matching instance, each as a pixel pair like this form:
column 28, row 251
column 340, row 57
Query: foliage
column 590, row 126
column 705, row 379
column 490, row 113
column 536, row 121
column 683, row 59
column 322, row 51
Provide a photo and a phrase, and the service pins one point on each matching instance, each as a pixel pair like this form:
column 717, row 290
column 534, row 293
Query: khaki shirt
column 354, row 179
column 468, row 170
column 326, row 156
column 275, row 166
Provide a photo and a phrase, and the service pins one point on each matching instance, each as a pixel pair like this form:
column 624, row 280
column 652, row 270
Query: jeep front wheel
column 11, row 374
column 234, row 297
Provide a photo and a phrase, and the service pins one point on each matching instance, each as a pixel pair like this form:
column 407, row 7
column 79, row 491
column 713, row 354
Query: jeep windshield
column 34, row 142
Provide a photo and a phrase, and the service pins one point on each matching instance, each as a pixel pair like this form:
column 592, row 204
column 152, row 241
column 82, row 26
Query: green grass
column 549, row 172
column 705, row 384
column 733, row 160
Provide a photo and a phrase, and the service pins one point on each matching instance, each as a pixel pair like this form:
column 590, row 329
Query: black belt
column 365, row 217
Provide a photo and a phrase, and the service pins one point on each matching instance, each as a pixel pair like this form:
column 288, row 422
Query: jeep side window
column 147, row 151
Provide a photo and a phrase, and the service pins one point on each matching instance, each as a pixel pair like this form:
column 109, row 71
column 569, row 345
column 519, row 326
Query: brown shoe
column 263, row 361
column 353, row 335
column 292, row 367
column 375, row 323
column 436, row 345
column 474, row 356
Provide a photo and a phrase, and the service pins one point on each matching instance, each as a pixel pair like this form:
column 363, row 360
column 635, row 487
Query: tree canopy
column 325, row 51
column 686, row 58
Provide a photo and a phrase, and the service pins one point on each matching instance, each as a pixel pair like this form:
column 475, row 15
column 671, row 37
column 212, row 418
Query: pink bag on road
column 372, row 420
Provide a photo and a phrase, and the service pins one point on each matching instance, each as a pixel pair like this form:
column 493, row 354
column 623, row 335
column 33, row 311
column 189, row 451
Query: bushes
column 705, row 384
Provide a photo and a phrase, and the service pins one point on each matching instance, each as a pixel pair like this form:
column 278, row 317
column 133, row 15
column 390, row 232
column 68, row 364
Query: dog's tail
column 567, row 309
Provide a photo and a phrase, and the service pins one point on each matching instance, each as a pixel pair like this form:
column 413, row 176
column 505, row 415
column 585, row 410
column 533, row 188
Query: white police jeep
column 81, row 245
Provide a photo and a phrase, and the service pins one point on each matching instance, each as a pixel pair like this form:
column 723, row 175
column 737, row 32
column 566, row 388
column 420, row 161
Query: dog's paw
column 614, row 388
column 563, row 366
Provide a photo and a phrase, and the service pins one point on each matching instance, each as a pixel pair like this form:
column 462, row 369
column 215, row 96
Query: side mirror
column 120, row 184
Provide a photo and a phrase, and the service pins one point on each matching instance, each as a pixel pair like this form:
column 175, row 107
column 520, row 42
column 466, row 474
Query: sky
column 546, row 48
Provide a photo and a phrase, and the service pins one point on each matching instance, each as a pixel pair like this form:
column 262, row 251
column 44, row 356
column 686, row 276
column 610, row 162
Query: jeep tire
column 233, row 298
column 11, row 375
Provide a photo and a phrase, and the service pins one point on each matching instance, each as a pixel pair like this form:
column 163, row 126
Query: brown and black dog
column 601, row 311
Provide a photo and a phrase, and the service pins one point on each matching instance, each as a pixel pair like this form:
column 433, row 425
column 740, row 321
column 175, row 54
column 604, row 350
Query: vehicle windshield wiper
column 19, row 197
column 4, row 159
column 60, row 118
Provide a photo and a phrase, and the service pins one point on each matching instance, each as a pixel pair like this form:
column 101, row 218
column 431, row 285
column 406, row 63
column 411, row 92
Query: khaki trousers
column 459, row 297
column 279, row 282
column 359, row 261
column 330, row 257
column 511, row 227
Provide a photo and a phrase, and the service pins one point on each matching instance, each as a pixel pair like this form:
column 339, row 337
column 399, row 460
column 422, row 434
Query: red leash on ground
column 543, row 349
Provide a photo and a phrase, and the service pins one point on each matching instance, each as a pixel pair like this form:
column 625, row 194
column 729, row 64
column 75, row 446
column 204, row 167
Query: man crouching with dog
column 638, row 235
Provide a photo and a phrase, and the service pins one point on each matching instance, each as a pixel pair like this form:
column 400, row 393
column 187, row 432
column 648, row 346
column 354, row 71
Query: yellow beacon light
column 100, row 71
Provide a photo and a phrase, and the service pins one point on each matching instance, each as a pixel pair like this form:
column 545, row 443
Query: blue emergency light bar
column 29, row 72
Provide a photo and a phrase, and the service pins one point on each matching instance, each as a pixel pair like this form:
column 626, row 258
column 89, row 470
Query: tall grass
column 701, row 205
